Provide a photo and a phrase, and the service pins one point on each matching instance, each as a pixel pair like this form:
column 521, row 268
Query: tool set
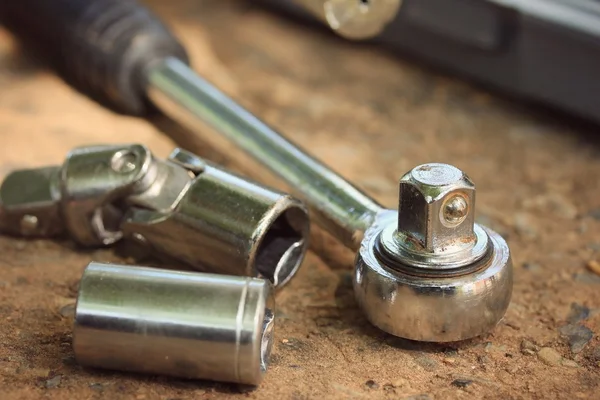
column 425, row 272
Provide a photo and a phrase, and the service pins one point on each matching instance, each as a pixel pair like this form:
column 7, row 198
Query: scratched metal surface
column 371, row 117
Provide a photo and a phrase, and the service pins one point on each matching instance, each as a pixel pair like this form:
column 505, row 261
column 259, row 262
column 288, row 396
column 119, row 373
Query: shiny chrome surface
column 184, row 208
column 354, row 19
column 436, row 227
column 94, row 179
column 429, row 308
column 76, row 197
column 337, row 205
column 30, row 203
column 400, row 252
column 224, row 223
column 427, row 273
column 183, row 324
column 425, row 213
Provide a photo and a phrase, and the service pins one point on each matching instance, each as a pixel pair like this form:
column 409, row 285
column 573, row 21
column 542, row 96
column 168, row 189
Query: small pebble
column 595, row 214
column 586, row 277
column 67, row 311
column 97, row 387
column 533, row 267
column 69, row 360
column 492, row 348
column 554, row 202
column 524, row 225
column 449, row 361
column 371, row 384
column 563, row 207
column 577, row 335
column 345, row 391
column 462, row 383
column 293, row 343
column 505, row 377
column 41, row 372
column 593, row 266
column 54, row 382
column 21, row 280
column 422, row 396
column 549, row 356
column 594, row 246
column 399, row 383
column 450, row 352
column 528, row 347
column 570, row 363
column 427, row 363
column 578, row 313
column 595, row 356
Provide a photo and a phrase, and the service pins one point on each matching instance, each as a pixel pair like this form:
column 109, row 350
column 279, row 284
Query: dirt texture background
column 372, row 117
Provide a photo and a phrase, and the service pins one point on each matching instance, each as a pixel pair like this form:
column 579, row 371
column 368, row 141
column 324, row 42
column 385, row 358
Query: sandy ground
column 372, row 117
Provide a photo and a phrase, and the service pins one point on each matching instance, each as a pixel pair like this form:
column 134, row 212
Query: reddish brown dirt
column 371, row 117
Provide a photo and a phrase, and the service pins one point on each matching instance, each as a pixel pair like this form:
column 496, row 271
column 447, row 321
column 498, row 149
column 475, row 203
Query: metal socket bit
column 184, row 209
column 223, row 223
column 182, row 324
column 354, row 19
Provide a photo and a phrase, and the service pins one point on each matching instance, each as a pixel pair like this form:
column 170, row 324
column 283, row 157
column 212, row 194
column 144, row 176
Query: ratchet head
column 428, row 272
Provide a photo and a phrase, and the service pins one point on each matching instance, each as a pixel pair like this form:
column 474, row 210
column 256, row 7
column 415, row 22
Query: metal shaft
column 337, row 205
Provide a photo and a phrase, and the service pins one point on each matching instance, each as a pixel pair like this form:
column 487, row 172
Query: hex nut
column 437, row 208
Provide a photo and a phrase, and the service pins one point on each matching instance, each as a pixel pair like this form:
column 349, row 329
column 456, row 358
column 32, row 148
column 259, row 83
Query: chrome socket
column 182, row 324
column 184, row 209
column 223, row 223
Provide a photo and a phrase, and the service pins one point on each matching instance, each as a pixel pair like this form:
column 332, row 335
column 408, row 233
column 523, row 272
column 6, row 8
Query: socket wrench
column 426, row 272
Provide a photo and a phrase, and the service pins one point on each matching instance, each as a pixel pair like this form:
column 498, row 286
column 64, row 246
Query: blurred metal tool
column 354, row 19
column 414, row 278
column 185, row 208
column 183, row 324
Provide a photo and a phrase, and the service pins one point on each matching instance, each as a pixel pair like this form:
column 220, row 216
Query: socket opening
column 282, row 247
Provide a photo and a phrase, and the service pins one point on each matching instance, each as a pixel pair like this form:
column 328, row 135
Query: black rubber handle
column 100, row 47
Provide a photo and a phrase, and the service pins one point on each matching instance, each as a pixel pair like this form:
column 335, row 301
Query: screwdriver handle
column 100, row 47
